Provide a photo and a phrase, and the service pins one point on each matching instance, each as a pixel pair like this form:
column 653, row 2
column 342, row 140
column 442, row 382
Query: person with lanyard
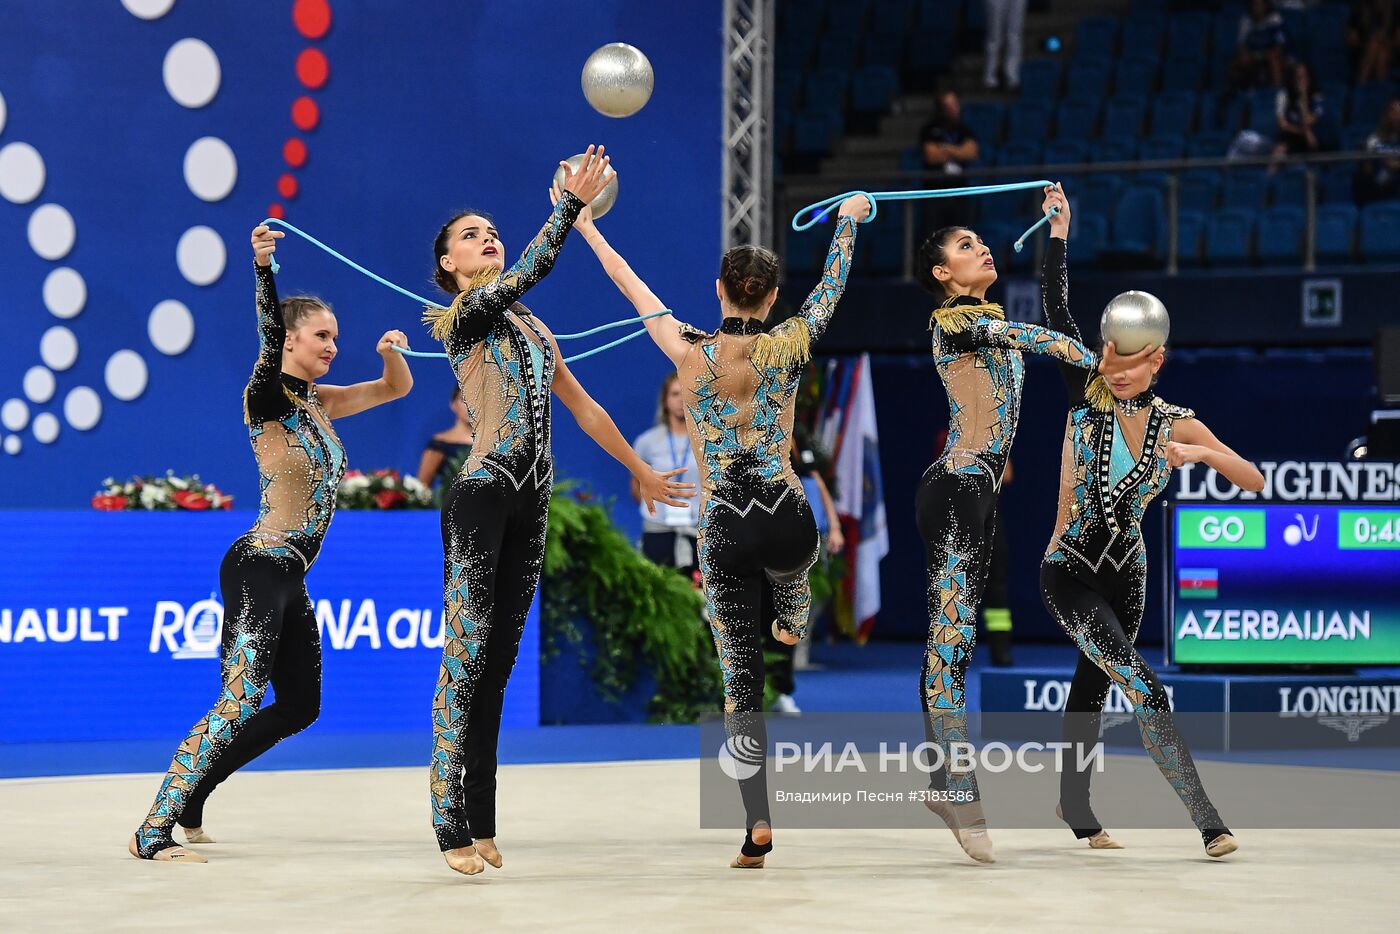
column 669, row 536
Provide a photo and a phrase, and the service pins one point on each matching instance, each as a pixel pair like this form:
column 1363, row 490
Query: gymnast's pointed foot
column 465, row 860
column 1221, row 844
column 486, row 848
column 758, row 843
column 785, row 636
column 969, row 827
column 170, row 854
column 1098, row 839
column 196, row 835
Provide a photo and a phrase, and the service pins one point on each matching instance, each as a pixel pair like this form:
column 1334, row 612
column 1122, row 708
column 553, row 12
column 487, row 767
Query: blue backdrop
column 429, row 107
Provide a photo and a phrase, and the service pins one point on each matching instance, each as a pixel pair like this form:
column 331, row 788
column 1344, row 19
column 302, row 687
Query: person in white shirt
column 668, row 538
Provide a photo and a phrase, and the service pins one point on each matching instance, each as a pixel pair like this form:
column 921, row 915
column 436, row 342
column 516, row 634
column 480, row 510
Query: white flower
column 355, row 484
column 388, row 482
column 152, row 495
column 177, row 483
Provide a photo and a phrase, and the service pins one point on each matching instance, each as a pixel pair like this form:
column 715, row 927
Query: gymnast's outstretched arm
column 663, row 332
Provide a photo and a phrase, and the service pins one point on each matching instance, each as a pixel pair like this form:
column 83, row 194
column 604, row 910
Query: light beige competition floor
column 616, row 847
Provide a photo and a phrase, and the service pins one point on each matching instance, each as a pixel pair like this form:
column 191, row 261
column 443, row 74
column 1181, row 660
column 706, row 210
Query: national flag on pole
column 849, row 432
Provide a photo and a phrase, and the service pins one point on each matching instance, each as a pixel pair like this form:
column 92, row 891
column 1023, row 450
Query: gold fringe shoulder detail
column 441, row 320
column 1098, row 395
column 787, row 345
column 954, row 319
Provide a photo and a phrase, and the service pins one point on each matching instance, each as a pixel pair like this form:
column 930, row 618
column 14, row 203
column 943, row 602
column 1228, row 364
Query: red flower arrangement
column 160, row 494
column 382, row 489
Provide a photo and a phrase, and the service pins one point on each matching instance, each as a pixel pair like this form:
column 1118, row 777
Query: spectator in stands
column 1259, row 56
column 947, row 143
column 1006, row 21
column 1378, row 179
column 1299, row 110
column 447, row 450
column 669, row 536
column 1371, row 34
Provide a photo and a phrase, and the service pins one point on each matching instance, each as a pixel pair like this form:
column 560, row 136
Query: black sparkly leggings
column 269, row 637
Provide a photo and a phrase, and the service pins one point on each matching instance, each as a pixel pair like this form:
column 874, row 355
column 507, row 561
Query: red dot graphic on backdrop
column 312, row 17
column 287, row 186
column 312, row 68
column 294, row 151
column 275, row 210
column 305, row 113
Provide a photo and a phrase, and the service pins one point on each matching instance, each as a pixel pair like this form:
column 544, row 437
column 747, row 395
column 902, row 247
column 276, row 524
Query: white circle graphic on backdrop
column 210, row 168
column 125, row 375
column 82, row 408
column 148, row 9
column 191, row 73
column 45, row 428
column 2, row 113
column 170, row 327
column 58, row 348
column 21, row 173
column 200, row 255
column 39, row 384
column 51, row 231
column 12, row 444
column 14, row 414
column 65, row 292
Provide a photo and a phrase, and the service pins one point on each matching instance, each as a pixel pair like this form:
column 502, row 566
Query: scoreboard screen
column 1283, row 584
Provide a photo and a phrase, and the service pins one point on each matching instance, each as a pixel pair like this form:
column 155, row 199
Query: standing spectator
column 804, row 464
column 446, row 450
column 1371, row 34
column 1259, row 56
column 1299, row 111
column 1006, row 21
column 669, row 537
column 947, row 144
column 1379, row 178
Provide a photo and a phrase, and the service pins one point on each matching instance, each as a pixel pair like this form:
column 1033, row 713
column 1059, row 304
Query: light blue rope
column 1021, row 240
column 578, row 356
column 402, row 291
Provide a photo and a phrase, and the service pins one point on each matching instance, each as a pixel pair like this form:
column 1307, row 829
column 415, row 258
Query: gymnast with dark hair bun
column 757, row 535
column 978, row 356
column 495, row 510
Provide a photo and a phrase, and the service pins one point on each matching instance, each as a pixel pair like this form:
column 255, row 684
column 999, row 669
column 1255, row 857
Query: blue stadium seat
column 787, row 90
column 1327, row 26
column 1295, row 28
column 884, row 245
column 930, row 53
column 800, row 254
column 883, row 48
column 998, row 237
column 1088, row 79
column 1354, row 138
column 1227, row 238
column 1135, row 76
column 1186, row 35
column 1095, row 37
column 1139, row 222
column 1114, row 150
column 986, row 119
column 873, row 89
column 1278, row 240
column 838, row 48
column 1379, row 240
column 1338, row 95
column 813, row 131
column 911, row 158
column 1162, row 147
column 794, row 49
column 1143, row 34
column 1173, row 112
column 1334, row 184
column 1040, row 79
column 1222, row 112
column 1289, row 188
column 1263, row 112
column 1096, row 194
column 1076, row 118
column 1088, row 236
column 1122, row 117
column 1330, row 64
column 1336, row 231
column 1065, row 152
column 1028, row 120
column 846, row 16
column 1198, row 191
column 1209, row 144
column 1190, row 228
column 892, row 16
column 825, row 88
column 1367, row 103
column 1245, row 189
column 1019, row 152
column 782, row 130
column 1183, row 74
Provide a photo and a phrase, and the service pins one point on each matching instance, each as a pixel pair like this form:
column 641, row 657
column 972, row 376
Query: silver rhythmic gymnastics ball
column 618, row 80
column 1135, row 320
column 606, row 198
